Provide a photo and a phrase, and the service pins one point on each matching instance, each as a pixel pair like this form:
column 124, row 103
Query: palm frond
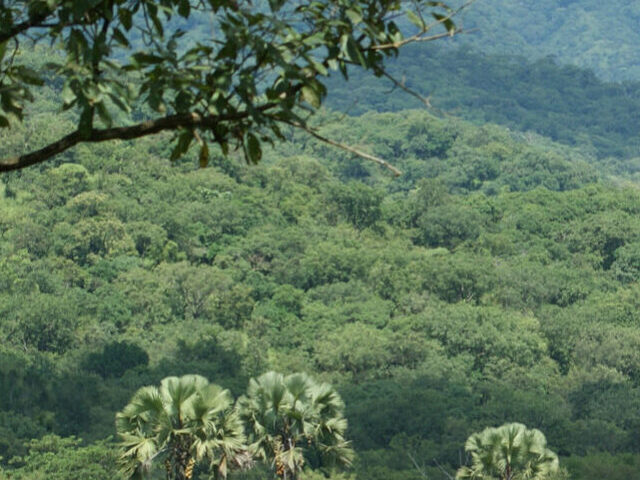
column 185, row 414
column 511, row 447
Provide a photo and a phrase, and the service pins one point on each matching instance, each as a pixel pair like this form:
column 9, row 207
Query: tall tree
column 293, row 421
column 509, row 452
column 185, row 421
column 257, row 70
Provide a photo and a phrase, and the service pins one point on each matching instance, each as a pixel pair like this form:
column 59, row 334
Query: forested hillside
column 601, row 36
column 565, row 103
column 496, row 281
column 598, row 36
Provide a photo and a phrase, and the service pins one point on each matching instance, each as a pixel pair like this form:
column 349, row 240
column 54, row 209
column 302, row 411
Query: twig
column 403, row 86
column 417, row 467
column 345, row 147
column 11, row 60
column 419, row 37
column 447, row 474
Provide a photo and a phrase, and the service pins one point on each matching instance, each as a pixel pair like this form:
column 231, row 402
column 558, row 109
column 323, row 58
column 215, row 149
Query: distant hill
column 602, row 36
column 565, row 103
column 597, row 35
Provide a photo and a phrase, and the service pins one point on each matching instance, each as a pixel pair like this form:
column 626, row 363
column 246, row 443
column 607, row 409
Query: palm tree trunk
column 508, row 474
column 182, row 468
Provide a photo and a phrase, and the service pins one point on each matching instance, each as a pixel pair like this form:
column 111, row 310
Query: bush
column 116, row 358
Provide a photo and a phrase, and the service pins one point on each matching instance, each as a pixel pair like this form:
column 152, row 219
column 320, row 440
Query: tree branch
column 150, row 127
column 38, row 21
column 418, row 468
column 16, row 30
column 171, row 122
column 401, row 84
column 419, row 37
column 345, row 147
column 443, row 470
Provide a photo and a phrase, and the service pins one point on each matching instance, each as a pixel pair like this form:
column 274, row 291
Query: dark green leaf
column 104, row 114
column 147, row 59
column 120, row 37
column 126, row 17
column 184, row 8
column 253, row 151
column 446, row 21
column 30, row 76
column 86, row 122
column 119, row 102
column 184, row 141
column 351, row 50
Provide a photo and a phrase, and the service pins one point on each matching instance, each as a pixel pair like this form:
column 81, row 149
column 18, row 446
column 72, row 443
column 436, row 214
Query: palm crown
column 509, row 452
column 186, row 420
column 294, row 420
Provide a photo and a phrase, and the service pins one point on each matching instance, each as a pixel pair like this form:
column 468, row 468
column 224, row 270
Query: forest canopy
column 496, row 281
column 486, row 301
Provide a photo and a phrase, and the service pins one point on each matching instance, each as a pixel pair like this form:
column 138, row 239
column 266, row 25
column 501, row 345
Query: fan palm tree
column 509, row 452
column 292, row 421
column 185, row 421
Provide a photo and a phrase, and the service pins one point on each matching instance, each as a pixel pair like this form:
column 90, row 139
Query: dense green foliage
column 189, row 426
column 294, row 422
column 496, row 281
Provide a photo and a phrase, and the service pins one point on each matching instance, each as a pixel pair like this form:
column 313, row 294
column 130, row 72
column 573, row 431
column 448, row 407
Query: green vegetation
column 599, row 36
column 495, row 281
column 510, row 452
column 193, row 426
column 565, row 103
column 294, row 421
column 128, row 70
column 184, row 422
